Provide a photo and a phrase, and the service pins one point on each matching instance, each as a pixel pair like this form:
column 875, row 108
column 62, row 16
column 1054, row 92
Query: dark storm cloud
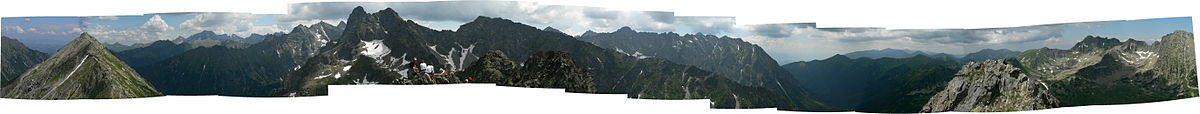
column 779, row 30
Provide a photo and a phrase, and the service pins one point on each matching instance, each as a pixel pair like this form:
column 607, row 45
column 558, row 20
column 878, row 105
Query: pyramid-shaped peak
column 84, row 39
column 358, row 10
column 551, row 29
column 625, row 29
column 83, row 69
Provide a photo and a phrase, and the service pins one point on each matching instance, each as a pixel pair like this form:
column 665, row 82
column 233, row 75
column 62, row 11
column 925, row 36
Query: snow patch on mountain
column 450, row 58
column 321, row 36
column 60, row 82
column 364, row 81
column 636, row 54
column 1146, row 55
column 321, row 76
column 375, row 49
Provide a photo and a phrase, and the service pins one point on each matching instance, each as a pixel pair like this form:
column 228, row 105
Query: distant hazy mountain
column 209, row 35
column 888, row 85
column 256, row 38
column 83, row 69
column 153, row 53
column 987, row 54
column 17, row 59
column 118, row 47
column 1102, row 70
column 894, row 53
column 210, row 39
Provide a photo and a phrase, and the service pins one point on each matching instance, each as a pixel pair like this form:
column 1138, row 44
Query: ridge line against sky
column 786, row 42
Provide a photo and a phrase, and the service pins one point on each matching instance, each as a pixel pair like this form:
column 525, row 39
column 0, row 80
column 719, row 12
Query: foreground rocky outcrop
column 991, row 86
column 552, row 69
column 490, row 68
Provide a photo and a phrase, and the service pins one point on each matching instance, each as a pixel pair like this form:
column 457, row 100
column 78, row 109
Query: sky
column 45, row 34
column 804, row 42
column 785, row 42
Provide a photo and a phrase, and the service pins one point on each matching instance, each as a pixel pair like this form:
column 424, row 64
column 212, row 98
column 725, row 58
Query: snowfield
column 375, row 49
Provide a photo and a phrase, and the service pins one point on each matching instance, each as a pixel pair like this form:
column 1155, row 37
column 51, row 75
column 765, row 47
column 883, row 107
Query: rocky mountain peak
column 625, row 29
column 551, row 29
column 553, row 69
column 482, row 23
column 588, row 33
column 1095, row 42
column 838, row 57
column 358, row 12
column 492, row 67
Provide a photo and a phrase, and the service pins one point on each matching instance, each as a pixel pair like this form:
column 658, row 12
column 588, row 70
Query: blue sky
column 1143, row 30
column 44, row 34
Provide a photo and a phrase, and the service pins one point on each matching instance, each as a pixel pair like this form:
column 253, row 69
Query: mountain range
column 385, row 48
column 733, row 59
column 990, row 54
column 253, row 70
column 378, row 48
column 1101, row 70
column 894, row 53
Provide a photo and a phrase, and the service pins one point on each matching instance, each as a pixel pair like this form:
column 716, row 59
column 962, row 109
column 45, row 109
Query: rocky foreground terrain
column 991, row 86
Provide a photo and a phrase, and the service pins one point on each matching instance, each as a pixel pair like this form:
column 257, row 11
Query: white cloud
column 943, row 36
column 156, row 24
column 561, row 17
column 17, row 29
column 707, row 25
column 307, row 22
column 48, row 29
column 106, row 18
column 241, row 24
column 153, row 29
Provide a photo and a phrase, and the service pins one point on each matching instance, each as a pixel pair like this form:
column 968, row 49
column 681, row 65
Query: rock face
column 991, row 86
column 83, row 69
column 17, row 59
column 491, row 68
column 1177, row 64
column 552, row 69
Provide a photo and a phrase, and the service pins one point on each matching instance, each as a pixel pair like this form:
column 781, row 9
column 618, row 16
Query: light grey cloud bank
column 787, row 42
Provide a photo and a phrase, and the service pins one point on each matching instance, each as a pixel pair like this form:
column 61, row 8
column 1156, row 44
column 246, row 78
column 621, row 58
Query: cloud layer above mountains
column 787, row 42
